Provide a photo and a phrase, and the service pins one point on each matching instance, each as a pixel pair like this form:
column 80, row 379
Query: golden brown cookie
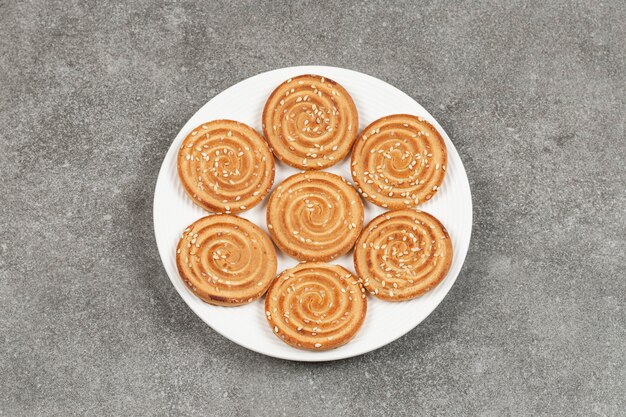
column 225, row 166
column 399, row 161
column 402, row 254
column 226, row 260
column 315, row 216
column 310, row 122
column 316, row 306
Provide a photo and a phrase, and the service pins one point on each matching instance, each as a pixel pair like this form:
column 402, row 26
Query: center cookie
column 310, row 122
column 315, row 216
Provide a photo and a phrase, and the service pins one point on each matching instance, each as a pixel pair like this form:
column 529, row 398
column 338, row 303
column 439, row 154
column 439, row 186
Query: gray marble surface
column 531, row 93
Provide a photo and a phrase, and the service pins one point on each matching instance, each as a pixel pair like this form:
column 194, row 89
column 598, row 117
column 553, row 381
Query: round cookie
column 316, row 306
column 226, row 260
column 225, row 166
column 402, row 254
column 315, row 216
column 399, row 161
column 310, row 122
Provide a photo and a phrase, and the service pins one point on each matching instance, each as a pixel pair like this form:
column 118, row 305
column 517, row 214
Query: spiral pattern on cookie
column 225, row 166
column 402, row 254
column 316, row 306
column 310, row 122
column 315, row 216
column 226, row 260
column 399, row 161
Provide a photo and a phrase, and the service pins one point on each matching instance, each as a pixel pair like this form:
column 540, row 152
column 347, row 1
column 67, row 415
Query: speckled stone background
column 533, row 96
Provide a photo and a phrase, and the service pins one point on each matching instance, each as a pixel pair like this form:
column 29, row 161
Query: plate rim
column 462, row 252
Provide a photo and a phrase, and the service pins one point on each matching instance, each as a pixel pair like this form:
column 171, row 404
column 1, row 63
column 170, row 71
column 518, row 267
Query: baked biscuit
column 316, row 306
column 402, row 254
column 314, row 216
column 310, row 122
column 225, row 166
column 226, row 260
column 399, row 161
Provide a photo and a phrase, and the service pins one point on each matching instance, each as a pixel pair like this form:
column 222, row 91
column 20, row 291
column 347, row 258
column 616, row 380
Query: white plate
column 246, row 325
